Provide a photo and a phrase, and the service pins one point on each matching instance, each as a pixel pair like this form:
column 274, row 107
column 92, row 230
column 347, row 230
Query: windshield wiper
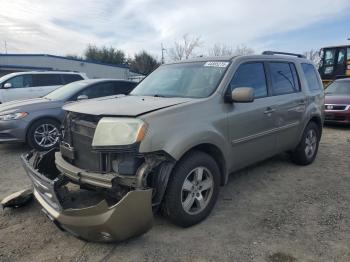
column 157, row 95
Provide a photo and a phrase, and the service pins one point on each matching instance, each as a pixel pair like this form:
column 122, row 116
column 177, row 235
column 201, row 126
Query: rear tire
column 192, row 189
column 306, row 151
column 43, row 134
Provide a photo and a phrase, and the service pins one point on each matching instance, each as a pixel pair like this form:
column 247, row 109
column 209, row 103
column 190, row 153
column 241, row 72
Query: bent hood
column 29, row 105
column 337, row 99
column 124, row 106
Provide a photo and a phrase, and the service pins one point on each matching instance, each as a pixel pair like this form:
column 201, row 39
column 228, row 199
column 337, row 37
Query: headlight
column 13, row 116
column 118, row 131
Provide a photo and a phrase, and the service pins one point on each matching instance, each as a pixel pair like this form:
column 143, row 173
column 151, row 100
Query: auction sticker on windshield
column 217, row 64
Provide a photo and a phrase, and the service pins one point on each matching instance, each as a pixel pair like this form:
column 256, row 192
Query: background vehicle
column 337, row 104
column 23, row 85
column 37, row 120
column 335, row 63
column 175, row 139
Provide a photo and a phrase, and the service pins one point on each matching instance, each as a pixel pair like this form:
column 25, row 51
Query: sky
column 62, row 27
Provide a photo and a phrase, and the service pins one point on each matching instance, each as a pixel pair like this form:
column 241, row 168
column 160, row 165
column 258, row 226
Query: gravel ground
column 273, row 211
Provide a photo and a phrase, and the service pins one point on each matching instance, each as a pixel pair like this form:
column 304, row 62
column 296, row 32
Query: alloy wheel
column 197, row 190
column 46, row 135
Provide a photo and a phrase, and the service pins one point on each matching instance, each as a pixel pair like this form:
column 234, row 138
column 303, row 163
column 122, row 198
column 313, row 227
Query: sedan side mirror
column 7, row 85
column 82, row 97
column 243, row 95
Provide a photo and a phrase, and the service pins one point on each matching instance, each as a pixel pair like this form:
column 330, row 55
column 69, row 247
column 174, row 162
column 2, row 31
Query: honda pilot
column 171, row 144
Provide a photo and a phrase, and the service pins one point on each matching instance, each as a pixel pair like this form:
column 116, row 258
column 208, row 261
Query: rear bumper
column 333, row 116
column 131, row 216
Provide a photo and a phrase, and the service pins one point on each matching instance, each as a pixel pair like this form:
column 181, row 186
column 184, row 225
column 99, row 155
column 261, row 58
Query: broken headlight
column 118, row 131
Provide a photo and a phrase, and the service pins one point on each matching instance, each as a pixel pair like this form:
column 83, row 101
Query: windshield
column 196, row 80
column 339, row 88
column 5, row 77
column 67, row 91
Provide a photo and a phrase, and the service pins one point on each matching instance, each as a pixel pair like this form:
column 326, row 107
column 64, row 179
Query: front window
column 339, row 88
column 21, row 81
column 196, row 80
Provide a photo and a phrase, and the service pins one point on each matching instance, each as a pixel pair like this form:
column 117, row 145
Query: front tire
column 43, row 134
column 306, row 151
column 192, row 189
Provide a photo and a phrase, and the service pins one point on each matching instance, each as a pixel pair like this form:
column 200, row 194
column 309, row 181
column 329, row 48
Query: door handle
column 269, row 110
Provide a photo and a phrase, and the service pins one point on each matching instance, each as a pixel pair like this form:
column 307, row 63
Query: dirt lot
column 274, row 211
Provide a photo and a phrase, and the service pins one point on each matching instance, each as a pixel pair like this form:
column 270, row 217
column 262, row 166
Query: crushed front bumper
column 129, row 217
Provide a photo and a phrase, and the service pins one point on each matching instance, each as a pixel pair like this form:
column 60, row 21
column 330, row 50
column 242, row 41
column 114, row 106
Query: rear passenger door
column 45, row 83
column 251, row 125
column 289, row 102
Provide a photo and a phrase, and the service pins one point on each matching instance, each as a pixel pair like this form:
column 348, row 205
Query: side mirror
column 7, row 85
column 242, row 95
column 82, row 97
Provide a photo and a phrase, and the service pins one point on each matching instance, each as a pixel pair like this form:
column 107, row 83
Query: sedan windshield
column 67, row 91
column 196, row 80
column 339, row 88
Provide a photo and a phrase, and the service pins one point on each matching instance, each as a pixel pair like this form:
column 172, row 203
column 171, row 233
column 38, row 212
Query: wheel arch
column 215, row 152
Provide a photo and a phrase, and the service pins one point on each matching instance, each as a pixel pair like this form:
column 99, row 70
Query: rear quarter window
column 311, row 76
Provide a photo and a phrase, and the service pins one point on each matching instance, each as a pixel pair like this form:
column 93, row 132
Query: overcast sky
column 67, row 26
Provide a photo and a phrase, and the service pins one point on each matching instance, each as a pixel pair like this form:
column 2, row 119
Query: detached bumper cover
column 131, row 216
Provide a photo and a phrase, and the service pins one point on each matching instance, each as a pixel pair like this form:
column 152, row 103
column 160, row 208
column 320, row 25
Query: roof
column 230, row 58
column 66, row 58
column 334, row 46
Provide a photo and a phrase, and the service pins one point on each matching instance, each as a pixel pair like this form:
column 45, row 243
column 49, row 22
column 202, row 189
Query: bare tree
column 184, row 48
column 313, row 55
column 221, row 50
column 224, row 50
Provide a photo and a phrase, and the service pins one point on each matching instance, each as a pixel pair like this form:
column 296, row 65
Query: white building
column 32, row 62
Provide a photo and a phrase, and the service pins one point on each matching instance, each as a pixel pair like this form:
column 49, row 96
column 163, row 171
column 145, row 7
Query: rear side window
column 283, row 78
column 251, row 75
column 47, row 79
column 123, row 87
column 312, row 80
column 69, row 78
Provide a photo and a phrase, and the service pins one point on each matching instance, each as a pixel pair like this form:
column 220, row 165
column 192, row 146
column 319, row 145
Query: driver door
column 251, row 125
column 21, row 88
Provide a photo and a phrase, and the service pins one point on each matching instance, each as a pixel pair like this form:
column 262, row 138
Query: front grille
column 76, row 147
column 335, row 107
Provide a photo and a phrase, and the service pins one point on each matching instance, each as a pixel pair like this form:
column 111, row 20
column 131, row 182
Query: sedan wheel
column 43, row 134
column 46, row 135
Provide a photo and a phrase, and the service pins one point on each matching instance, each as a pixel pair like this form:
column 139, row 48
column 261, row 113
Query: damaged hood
column 124, row 106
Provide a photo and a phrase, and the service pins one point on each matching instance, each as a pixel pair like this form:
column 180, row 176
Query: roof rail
column 282, row 53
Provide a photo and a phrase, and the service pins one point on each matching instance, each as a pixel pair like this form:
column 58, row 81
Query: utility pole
column 5, row 47
column 163, row 49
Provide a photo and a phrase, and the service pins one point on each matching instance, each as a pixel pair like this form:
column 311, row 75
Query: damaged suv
column 172, row 142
